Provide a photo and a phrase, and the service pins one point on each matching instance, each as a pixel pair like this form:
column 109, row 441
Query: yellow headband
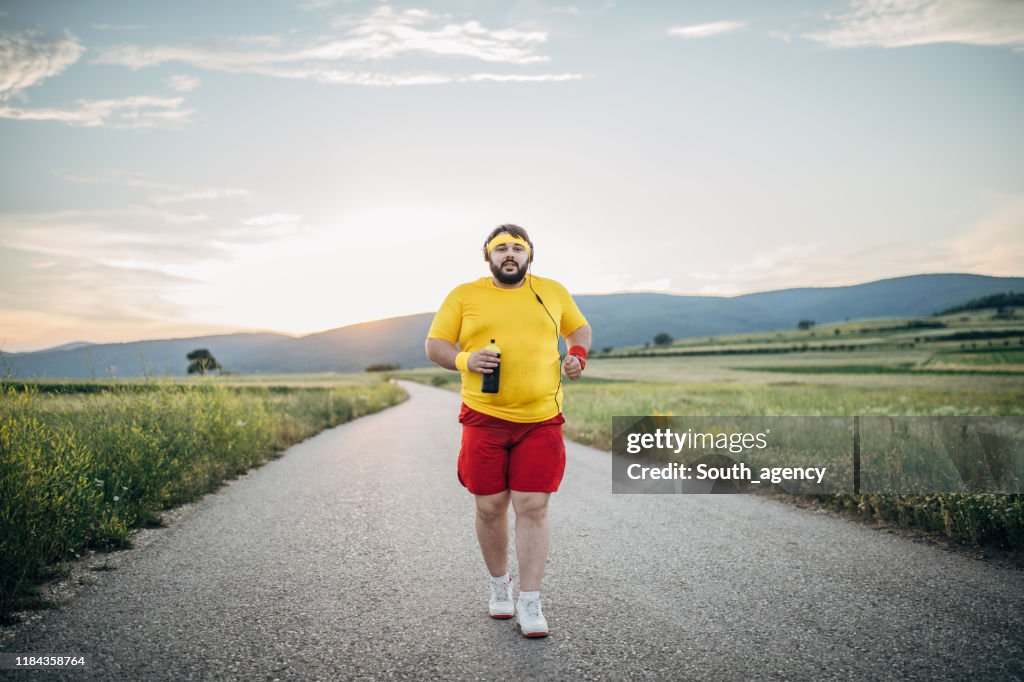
column 506, row 238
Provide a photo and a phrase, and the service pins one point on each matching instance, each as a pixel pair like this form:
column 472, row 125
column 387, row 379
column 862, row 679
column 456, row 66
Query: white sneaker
column 501, row 606
column 530, row 618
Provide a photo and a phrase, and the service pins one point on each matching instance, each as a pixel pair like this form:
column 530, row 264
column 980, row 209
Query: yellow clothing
column 478, row 311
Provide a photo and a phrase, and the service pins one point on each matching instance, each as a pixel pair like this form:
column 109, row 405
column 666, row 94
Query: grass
column 80, row 469
column 894, row 371
column 972, row 357
column 904, row 368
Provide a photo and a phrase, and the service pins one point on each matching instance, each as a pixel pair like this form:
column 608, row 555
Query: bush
column 383, row 367
column 79, row 471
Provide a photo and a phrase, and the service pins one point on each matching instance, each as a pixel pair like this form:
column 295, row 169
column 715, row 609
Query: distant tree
column 201, row 361
column 1010, row 298
column 837, row 331
column 607, row 349
column 805, row 324
column 663, row 339
column 383, row 367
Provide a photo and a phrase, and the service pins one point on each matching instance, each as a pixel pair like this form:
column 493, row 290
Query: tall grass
column 79, row 470
column 970, row 518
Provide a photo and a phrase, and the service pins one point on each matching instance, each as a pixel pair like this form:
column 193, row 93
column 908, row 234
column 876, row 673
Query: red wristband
column 581, row 353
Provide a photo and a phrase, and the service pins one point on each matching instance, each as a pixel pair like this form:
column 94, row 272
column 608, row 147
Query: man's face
column 508, row 263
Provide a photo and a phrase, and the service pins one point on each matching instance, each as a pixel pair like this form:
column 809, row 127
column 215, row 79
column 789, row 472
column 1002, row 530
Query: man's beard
column 508, row 278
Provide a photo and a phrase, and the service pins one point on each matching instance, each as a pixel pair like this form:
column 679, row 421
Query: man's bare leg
column 492, row 530
column 532, row 537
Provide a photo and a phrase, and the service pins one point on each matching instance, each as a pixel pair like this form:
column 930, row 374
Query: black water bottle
column 491, row 380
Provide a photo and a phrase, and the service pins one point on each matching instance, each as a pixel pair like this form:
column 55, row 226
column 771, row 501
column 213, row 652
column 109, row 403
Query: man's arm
column 443, row 353
column 581, row 337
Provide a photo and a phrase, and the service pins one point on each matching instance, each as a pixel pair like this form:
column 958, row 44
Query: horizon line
column 300, row 335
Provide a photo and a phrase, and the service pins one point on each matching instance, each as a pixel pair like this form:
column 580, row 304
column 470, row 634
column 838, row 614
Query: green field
column 886, row 368
column 82, row 464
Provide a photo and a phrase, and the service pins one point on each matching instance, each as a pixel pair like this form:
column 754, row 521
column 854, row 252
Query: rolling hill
column 617, row 319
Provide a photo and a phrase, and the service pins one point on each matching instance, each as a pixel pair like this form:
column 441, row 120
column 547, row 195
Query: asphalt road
column 353, row 556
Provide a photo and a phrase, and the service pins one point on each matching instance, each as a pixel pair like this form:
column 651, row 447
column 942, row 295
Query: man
column 512, row 447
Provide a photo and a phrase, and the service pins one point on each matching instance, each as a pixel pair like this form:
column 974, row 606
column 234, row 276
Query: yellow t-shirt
column 478, row 311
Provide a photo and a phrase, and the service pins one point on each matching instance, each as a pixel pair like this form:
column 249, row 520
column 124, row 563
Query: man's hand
column 483, row 361
column 573, row 367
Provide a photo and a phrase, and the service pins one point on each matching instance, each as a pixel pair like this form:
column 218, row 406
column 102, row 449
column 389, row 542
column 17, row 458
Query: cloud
column 182, row 83
column 150, row 233
column 83, row 288
column 705, row 30
column 903, row 23
column 118, row 27
column 202, row 194
column 311, row 5
column 174, row 194
column 116, row 176
column 382, row 35
column 993, row 244
column 330, row 76
column 577, row 11
column 272, row 219
column 138, row 234
column 28, row 57
column 661, row 284
column 137, row 112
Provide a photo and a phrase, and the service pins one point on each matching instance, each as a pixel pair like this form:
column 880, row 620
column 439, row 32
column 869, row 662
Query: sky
column 176, row 169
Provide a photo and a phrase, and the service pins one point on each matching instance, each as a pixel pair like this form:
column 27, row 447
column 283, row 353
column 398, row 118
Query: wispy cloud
column 377, row 79
column 577, row 11
column 311, row 5
column 382, row 35
column 993, row 245
column 169, row 193
column 903, row 23
column 109, row 237
column 141, row 111
column 29, row 57
column 201, row 194
column 118, row 27
column 155, row 231
column 706, row 30
column 84, row 289
column 118, row 176
column 182, row 83
column 272, row 219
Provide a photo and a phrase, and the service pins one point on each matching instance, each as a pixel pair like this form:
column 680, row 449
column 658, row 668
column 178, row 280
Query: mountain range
column 617, row 319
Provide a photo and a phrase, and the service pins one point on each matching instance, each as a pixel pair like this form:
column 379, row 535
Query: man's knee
column 492, row 507
column 530, row 505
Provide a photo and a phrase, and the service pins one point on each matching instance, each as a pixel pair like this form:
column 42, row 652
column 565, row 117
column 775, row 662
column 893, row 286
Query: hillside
column 618, row 320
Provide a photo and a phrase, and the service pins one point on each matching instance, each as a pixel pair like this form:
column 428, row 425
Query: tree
column 663, row 339
column 383, row 367
column 805, row 324
column 201, row 361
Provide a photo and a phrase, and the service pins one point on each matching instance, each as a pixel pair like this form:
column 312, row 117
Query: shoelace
column 501, row 592
column 532, row 608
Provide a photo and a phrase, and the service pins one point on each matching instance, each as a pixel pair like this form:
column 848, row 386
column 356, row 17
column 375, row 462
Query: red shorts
column 499, row 455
